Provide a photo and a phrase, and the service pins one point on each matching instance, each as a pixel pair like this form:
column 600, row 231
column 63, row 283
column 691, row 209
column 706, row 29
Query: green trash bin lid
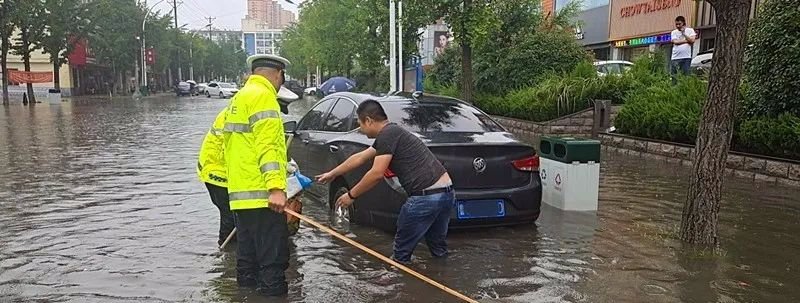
column 569, row 149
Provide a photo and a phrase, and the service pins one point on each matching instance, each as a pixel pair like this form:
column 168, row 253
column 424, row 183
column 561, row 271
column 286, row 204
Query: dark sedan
column 496, row 176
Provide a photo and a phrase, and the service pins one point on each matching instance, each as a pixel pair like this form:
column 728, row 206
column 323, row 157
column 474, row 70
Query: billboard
column 440, row 42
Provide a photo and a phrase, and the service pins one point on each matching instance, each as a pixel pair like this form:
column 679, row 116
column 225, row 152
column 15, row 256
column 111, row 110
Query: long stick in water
column 228, row 239
column 381, row 257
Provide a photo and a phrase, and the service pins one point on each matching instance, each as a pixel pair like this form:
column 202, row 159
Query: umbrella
column 337, row 84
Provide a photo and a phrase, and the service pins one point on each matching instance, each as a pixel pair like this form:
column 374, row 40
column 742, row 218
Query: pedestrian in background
column 683, row 38
column 426, row 212
column 255, row 154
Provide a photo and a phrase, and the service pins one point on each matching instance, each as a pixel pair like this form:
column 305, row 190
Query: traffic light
column 150, row 56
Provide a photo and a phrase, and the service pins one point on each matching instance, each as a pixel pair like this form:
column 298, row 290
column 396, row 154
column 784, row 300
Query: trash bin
column 570, row 173
column 54, row 96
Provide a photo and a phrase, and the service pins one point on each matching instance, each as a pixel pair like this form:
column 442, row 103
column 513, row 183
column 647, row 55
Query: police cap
column 273, row 61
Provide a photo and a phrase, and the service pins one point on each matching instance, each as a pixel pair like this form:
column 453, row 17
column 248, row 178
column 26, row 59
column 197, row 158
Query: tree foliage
column 773, row 61
column 348, row 37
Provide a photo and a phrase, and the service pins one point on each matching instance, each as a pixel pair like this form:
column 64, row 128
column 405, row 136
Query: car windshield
column 426, row 117
column 226, row 85
column 617, row 68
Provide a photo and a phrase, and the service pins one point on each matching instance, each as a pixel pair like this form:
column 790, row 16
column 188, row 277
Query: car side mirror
column 289, row 126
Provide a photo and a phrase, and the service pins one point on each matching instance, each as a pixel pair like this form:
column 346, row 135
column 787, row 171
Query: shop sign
column 648, row 7
column 663, row 38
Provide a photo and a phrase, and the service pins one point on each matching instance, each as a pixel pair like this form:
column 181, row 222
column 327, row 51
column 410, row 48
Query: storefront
column 639, row 27
column 706, row 25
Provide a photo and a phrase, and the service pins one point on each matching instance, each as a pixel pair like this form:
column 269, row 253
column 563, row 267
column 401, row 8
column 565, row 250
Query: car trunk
column 482, row 161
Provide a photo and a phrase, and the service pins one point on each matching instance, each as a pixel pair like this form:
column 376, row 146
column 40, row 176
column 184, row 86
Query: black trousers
column 219, row 196
column 263, row 251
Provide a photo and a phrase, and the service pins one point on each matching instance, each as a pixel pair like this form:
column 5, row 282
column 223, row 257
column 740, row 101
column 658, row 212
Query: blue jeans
column 681, row 65
column 423, row 216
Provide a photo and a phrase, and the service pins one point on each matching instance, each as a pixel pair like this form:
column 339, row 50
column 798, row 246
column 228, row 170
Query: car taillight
column 388, row 174
column 527, row 164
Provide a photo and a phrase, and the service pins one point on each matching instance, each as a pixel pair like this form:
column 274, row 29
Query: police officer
column 255, row 153
column 212, row 171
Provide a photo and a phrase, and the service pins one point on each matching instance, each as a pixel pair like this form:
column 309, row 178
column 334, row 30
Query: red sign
column 150, row 56
column 648, row 7
column 79, row 52
column 30, row 77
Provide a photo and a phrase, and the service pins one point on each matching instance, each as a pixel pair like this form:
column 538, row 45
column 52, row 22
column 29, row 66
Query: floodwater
column 99, row 202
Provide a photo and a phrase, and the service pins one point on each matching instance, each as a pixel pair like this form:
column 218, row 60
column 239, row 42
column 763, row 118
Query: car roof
column 396, row 97
column 613, row 62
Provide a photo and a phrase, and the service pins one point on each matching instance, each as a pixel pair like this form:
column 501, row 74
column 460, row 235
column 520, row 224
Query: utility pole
column 210, row 22
column 392, row 48
column 177, row 37
column 401, row 69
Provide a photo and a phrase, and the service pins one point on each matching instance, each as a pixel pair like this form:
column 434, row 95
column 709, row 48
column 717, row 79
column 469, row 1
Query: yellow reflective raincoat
column 255, row 146
column 211, row 162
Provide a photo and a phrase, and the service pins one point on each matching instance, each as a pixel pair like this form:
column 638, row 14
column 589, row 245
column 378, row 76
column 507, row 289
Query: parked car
column 221, row 89
column 295, row 87
column 183, row 89
column 310, row 91
column 613, row 67
column 201, row 88
column 701, row 64
column 496, row 176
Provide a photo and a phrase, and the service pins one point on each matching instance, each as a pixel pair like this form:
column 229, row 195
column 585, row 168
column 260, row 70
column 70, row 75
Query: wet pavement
column 100, row 203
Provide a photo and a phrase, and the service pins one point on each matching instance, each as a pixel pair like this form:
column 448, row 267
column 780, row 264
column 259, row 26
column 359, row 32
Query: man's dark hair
column 681, row 19
column 371, row 109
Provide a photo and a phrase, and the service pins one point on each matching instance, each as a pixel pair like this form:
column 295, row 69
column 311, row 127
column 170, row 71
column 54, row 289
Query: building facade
column 434, row 40
column 257, row 39
column 218, row 36
column 638, row 27
column 270, row 13
column 592, row 26
column 707, row 24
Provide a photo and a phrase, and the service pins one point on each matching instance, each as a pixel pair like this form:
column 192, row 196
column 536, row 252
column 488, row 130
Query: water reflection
column 100, row 203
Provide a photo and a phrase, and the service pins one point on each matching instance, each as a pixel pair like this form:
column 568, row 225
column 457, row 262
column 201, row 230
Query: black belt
column 426, row 192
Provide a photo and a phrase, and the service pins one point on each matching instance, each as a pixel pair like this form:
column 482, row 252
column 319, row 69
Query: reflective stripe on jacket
column 255, row 146
column 211, row 162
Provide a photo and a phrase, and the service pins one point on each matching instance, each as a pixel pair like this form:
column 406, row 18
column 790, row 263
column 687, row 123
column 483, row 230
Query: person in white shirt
column 682, row 40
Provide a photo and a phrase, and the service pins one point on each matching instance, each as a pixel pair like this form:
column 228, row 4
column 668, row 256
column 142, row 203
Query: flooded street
column 100, row 202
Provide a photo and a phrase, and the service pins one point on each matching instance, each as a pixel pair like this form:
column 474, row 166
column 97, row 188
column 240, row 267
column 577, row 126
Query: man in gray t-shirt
column 426, row 213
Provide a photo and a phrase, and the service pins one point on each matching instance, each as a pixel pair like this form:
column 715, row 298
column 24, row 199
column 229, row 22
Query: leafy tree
column 27, row 19
column 113, row 22
column 65, row 22
column 773, row 60
column 7, row 8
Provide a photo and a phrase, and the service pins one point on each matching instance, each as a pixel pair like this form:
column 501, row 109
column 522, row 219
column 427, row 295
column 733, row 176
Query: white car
column 612, row 67
column 310, row 91
column 221, row 89
column 701, row 64
column 201, row 88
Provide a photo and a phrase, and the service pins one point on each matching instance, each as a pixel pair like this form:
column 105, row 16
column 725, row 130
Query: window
column 261, row 36
column 341, row 117
column 313, row 119
column 261, row 43
column 428, row 117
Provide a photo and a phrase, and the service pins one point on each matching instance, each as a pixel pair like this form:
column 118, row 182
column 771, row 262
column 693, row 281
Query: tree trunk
column 26, row 58
column 466, row 59
column 56, row 74
column 4, row 66
column 700, row 212
column 466, row 72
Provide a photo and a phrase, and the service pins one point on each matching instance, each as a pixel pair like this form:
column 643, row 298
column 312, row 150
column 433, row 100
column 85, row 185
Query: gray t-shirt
column 414, row 164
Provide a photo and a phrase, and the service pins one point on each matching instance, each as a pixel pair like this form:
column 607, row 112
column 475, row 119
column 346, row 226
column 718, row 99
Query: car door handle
column 333, row 148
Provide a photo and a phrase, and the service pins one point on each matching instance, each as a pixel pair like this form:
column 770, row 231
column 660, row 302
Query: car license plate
column 474, row 209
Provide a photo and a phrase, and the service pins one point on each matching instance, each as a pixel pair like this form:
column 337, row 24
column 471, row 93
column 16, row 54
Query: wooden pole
column 379, row 256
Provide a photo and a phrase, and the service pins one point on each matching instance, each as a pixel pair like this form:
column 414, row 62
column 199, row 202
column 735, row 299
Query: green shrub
column 663, row 111
column 770, row 136
column 447, row 67
column 773, row 61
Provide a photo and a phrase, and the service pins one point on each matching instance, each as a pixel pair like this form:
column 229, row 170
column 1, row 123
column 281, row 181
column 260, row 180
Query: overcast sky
column 229, row 13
